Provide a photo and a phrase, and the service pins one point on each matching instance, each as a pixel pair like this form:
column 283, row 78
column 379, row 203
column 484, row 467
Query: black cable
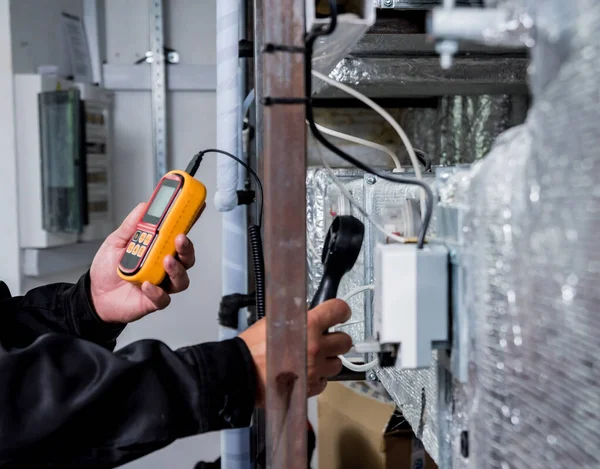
column 197, row 159
column 424, row 160
column 254, row 231
column 310, row 41
column 258, row 264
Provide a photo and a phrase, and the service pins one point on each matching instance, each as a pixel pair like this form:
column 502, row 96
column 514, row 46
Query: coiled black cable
column 254, row 231
column 258, row 264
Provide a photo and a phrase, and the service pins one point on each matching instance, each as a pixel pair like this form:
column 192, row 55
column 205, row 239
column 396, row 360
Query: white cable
column 347, row 363
column 361, row 141
column 347, row 194
column 383, row 113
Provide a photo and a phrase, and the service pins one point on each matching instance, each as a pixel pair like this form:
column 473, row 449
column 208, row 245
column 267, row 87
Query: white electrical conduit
column 361, row 141
column 228, row 112
column 347, row 363
column 383, row 113
column 235, row 443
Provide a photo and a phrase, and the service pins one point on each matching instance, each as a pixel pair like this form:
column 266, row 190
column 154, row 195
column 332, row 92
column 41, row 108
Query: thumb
column 331, row 313
column 124, row 232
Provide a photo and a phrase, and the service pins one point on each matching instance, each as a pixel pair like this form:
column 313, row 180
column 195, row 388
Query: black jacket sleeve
column 66, row 402
column 59, row 307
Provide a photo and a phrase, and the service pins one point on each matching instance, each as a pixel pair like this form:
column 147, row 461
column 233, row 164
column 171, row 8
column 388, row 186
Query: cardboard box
column 357, row 431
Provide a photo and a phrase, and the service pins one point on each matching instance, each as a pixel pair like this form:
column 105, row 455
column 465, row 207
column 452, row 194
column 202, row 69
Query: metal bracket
column 271, row 101
column 271, row 48
column 159, row 95
column 172, row 57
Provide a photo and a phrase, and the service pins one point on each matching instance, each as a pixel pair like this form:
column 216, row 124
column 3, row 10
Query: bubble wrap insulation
column 534, row 398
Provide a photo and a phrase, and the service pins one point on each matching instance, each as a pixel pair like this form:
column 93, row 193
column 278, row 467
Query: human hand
column 118, row 301
column 323, row 348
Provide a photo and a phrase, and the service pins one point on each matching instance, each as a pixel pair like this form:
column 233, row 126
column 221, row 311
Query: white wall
column 35, row 38
column 10, row 265
column 37, row 34
column 191, row 318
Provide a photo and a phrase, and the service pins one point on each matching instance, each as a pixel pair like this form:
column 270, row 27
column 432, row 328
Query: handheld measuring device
column 175, row 205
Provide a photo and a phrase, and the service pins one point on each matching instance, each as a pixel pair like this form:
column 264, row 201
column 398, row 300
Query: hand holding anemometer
column 175, row 205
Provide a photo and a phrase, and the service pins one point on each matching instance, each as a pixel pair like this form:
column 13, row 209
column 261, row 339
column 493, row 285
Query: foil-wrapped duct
column 391, row 204
column 324, row 201
column 463, row 128
column 460, row 130
column 535, row 264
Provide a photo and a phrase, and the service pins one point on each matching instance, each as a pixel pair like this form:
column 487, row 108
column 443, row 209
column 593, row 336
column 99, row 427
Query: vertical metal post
column 159, row 88
column 284, row 169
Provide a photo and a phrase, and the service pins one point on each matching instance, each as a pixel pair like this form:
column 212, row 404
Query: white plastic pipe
column 235, row 444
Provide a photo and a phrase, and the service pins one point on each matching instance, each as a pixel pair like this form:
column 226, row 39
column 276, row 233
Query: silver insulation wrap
column 324, row 201
column 463, row 128
column 535, row 264
column 460, row 130
column 523, row 223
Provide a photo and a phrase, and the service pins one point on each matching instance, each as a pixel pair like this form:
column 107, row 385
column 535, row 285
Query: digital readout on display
column 160, row 202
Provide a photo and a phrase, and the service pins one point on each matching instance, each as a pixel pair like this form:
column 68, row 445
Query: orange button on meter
column 148, row 239
column 142, row 251
column 130, row 247
column 142, row 237
column 136, row 249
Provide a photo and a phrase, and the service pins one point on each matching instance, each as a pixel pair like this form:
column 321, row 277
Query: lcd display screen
column 160, row 202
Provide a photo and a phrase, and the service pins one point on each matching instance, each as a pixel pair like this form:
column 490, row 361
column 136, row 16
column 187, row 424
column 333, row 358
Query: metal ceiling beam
column 423, row 77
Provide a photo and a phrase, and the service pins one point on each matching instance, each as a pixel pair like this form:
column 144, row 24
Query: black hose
column 258, row 263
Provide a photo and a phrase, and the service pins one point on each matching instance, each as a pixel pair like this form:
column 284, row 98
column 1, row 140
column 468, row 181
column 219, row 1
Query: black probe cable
column 197, row 159
column 254, row 231
column 309, row 47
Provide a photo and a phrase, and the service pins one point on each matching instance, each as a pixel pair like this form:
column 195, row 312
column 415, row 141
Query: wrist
column 86, row 321
column 256, row 346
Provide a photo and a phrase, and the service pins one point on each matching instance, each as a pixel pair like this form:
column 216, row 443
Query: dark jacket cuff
column 86, row 321
column 228, row 369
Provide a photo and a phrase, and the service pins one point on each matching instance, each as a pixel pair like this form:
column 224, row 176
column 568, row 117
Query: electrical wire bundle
column 316, row 131
column 427, row 200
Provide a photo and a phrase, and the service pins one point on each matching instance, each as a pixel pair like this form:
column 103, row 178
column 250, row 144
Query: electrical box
column 411, row 301
column 64, row 162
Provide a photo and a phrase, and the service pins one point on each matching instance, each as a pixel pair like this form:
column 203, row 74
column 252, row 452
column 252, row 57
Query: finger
column 124, row 232
column 318, row 388
column 159, row 298
column 177, row 275
column 331, row 367
column 331, row 313
column 185, row 251
column 334, row 344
